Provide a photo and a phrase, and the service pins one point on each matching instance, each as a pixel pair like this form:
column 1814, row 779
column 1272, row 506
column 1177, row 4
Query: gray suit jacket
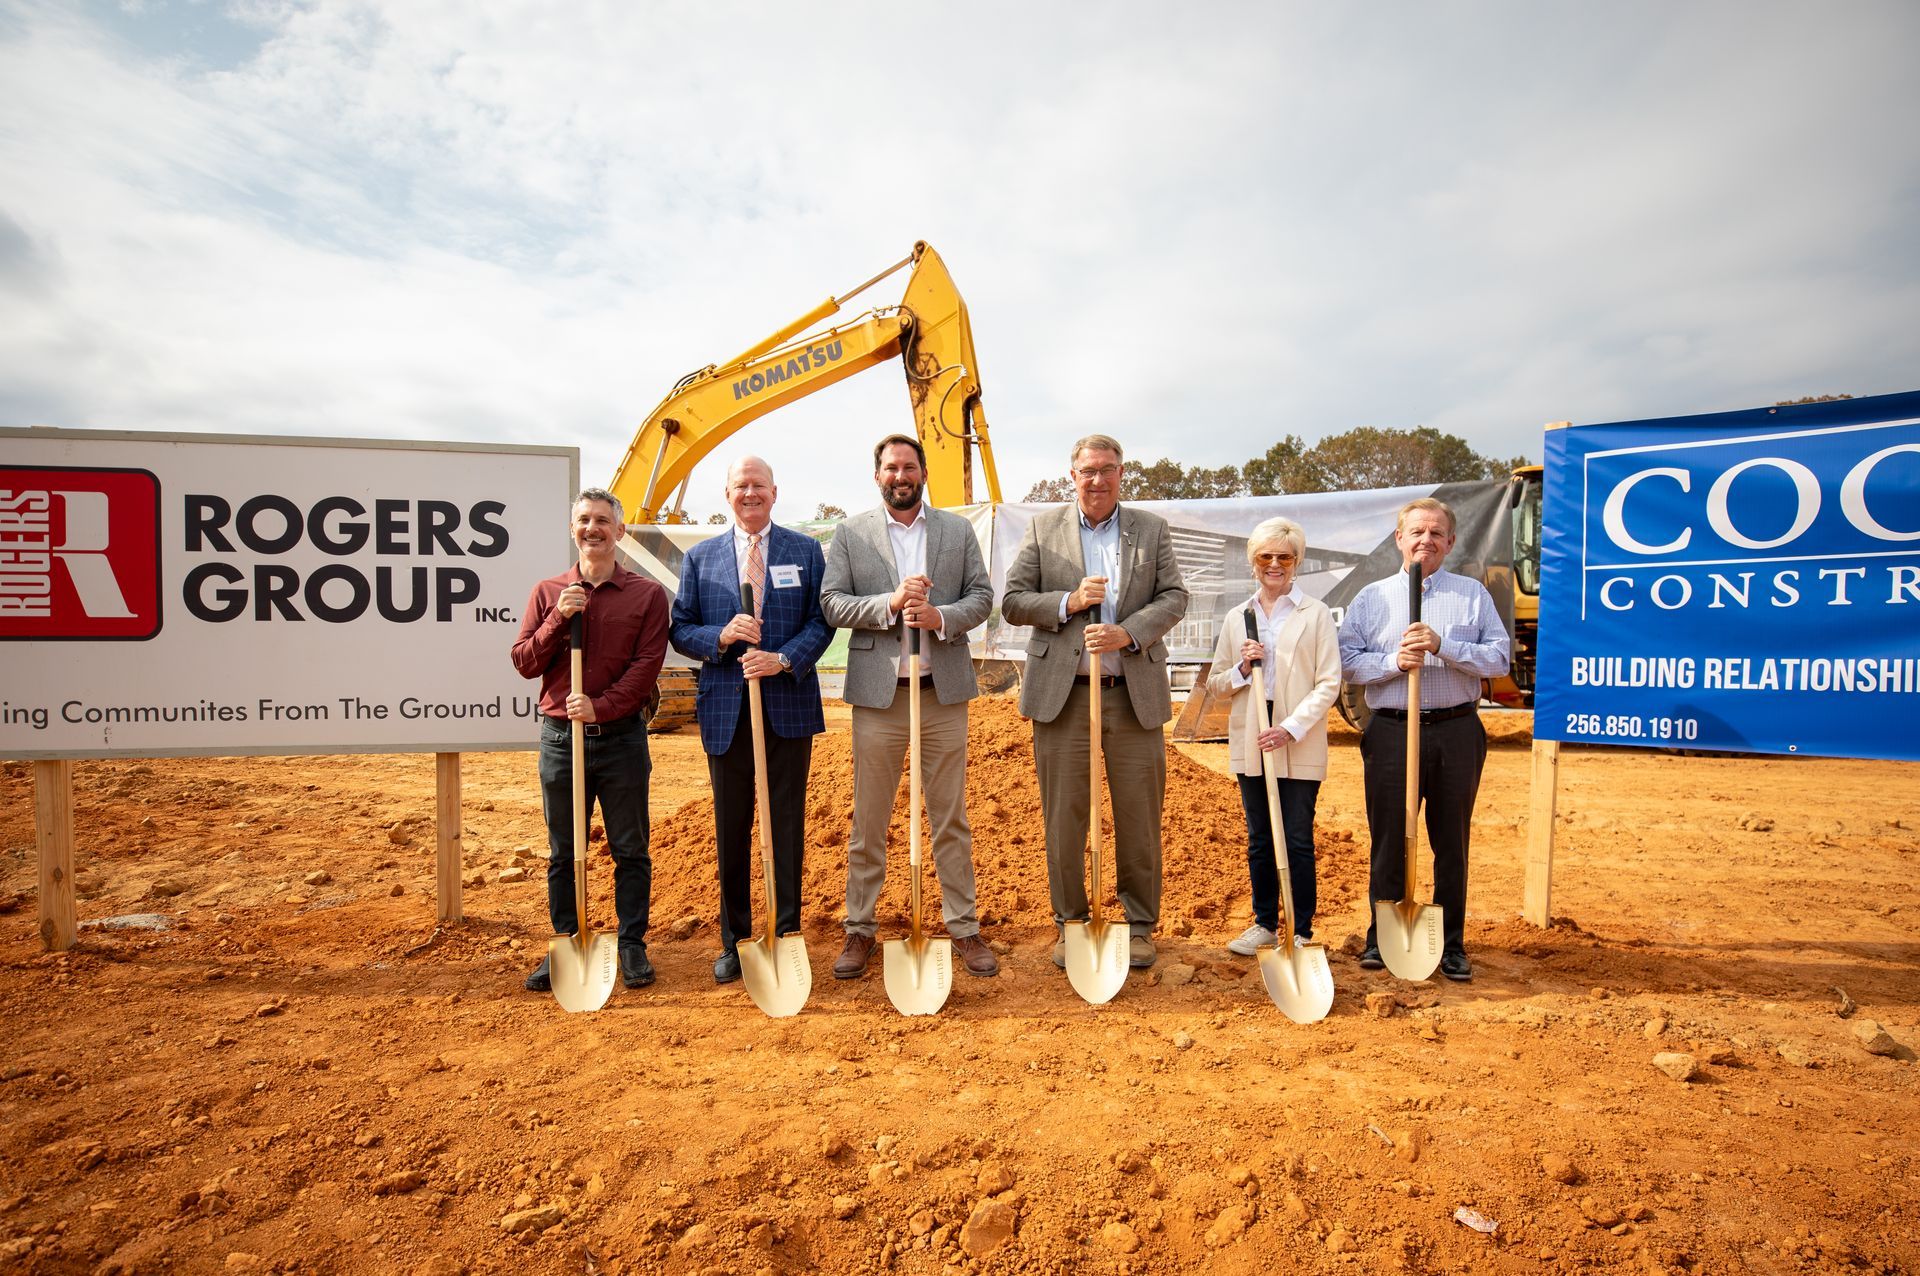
column 1152, row 600
column 860, row 578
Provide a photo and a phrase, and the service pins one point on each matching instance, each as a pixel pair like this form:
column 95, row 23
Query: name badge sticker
column 784, row 576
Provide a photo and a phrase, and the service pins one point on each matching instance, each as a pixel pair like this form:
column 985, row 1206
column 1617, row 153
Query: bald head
column 751, row 493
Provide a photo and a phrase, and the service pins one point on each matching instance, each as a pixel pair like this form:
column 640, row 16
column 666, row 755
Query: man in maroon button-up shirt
column 625, row 618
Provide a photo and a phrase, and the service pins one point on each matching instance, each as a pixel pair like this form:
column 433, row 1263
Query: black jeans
column 1297, row 801
column 1452, row 754
column 617, row 771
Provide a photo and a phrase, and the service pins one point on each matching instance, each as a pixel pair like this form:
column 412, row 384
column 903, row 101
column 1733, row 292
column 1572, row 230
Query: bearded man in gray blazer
column 897, row 567
column 1100, row 587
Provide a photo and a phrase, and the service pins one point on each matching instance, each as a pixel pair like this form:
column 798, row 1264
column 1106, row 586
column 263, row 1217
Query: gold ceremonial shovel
column 1407, row 931
column 1096, row 948
column 1295, row 972
column 919, row 970
column 774, row 968
column 581, row 965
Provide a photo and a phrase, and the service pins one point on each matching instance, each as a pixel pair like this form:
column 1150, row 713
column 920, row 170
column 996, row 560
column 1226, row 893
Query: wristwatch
column 785, row 664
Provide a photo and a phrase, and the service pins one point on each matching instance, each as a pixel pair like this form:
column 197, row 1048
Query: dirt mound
column 281, row 1063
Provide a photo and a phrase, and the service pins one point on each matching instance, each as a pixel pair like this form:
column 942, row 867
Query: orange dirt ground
column 302, row 1074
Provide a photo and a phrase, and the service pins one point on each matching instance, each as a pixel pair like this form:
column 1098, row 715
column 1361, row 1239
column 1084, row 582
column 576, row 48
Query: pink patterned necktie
column 757, row 574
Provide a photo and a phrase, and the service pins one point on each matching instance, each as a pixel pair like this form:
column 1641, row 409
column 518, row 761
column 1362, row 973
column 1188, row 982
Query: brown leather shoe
column 976, row 956
column 852, row 962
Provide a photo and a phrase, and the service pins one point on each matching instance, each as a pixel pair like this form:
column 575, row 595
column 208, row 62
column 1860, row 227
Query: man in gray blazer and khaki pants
column 1100, row 587
column 904, row 565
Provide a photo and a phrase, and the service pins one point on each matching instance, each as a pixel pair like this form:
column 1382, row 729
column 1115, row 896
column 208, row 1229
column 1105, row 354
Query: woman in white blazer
column 1300, row 662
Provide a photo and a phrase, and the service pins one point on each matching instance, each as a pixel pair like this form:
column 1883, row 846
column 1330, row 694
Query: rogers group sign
column 179, row 594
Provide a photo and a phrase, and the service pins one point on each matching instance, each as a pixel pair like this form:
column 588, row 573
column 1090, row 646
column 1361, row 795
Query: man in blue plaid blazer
column 778, row 648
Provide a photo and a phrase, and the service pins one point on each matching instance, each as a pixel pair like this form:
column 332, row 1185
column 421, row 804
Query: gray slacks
column 879, row 749
column 1136, row 767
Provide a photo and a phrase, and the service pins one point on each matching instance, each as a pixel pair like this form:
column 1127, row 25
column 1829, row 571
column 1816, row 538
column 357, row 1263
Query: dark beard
column 895, row 501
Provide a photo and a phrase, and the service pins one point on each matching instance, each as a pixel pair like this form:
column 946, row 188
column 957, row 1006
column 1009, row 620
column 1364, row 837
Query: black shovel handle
column 1413, row 594
column 1253, row 628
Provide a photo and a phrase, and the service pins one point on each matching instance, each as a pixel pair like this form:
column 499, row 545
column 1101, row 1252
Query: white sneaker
column 1252, row 941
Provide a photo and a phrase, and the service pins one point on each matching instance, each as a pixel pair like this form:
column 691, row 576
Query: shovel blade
column 582, row 971
column 1299, row 980
column 1096, row 959
column 919, row 973
column 1409, row 936
column 778, row 975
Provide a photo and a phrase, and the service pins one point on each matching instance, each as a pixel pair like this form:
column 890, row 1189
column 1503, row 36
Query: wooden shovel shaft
column 1095, row 765
column 579, row 749
column 1263, row 720
column 763, row 799
column 1412, row 836
column 913, row 778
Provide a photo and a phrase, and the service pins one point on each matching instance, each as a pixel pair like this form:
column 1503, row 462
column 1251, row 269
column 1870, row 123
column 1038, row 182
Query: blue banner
column 1745, row 581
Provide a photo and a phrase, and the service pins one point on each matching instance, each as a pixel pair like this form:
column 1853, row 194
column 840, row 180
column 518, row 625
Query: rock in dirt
column 684, row 928
column 1340, row 1241
column 1654, row 1027
column 241, row 1261
column 1559, row 1168
column 1874, row 1039
column 1229, row 1225
column 994, row 1179
column 845, row 1206
column 130, row 921
column 1294, row 1208
column 537, row 1219
column 1792, row 1053
column 1380, row 1004
column 1120, row 1237
column 1676, row 1064
column 512, row 875
column 318, row 877
column 989, row 1226
column 1176, row 974
column 1183, row 1040
column 1600, row 1215
column 399, row 1183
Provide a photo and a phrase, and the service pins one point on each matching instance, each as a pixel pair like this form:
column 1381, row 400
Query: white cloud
column 1199, row 229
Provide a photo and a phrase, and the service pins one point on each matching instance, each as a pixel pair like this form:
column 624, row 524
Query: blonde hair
column 1277, row 531
column 1425, row 503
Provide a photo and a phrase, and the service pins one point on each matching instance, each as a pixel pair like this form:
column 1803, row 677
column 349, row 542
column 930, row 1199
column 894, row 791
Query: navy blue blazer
column 790, row 623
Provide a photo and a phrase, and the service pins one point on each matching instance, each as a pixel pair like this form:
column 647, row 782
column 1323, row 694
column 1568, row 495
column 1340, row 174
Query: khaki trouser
column 1136, row 767
column 879, row 749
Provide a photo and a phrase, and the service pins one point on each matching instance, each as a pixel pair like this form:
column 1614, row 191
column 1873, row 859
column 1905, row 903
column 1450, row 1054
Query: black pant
column 1297, row 801
column 739, row 855
column 617, row 771
column 1452, row 754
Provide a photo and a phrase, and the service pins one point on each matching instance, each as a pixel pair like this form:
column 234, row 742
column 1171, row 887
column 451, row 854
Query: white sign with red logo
column 168, row 594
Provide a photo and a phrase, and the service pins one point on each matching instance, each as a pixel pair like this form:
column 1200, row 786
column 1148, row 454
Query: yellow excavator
column 927, row 331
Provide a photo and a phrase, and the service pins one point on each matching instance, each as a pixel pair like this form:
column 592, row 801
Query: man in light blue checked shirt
column 1458, row 641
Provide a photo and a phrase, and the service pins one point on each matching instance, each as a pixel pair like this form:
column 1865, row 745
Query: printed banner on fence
column 1747, row 581
column 1349, row 539
column 170, row 594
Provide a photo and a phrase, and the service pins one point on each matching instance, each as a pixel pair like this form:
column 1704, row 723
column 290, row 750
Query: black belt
column 619, row 726
column 925, row 680
column 1431, row 715
column 1103, row 680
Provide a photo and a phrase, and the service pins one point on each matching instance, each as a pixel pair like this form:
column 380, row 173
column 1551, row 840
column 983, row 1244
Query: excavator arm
column 927, row 331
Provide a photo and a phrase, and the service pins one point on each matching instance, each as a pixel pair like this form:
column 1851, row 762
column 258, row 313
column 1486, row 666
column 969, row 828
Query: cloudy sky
column 1197, row 227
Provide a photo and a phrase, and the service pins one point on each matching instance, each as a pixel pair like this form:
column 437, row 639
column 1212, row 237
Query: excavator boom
column 928, row 331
